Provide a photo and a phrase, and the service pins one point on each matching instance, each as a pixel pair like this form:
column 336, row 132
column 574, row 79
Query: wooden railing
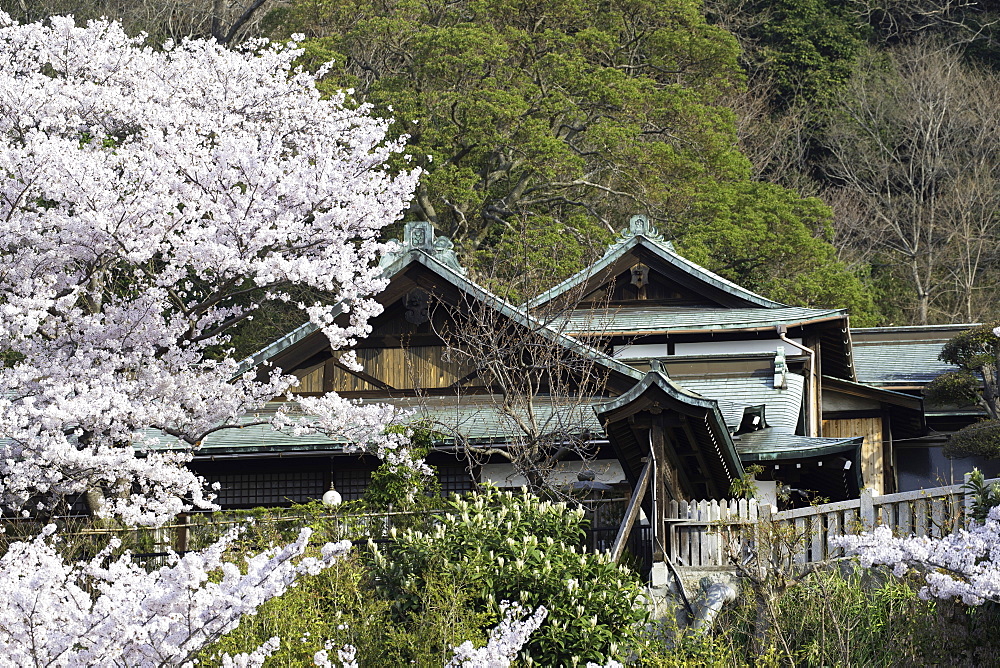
column 716, row 533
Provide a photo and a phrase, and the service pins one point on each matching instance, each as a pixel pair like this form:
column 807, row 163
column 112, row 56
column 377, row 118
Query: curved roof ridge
column 641, row 232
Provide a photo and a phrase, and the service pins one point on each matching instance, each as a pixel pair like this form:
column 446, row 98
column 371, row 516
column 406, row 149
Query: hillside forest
column 825, row 153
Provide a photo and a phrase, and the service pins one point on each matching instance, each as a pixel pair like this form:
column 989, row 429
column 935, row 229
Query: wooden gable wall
column 399, row 355
column 642, row 283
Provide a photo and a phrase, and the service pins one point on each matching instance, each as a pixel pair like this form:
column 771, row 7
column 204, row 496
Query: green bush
column 501, row 546
column 834, row 618
column 412, row 602
column 335, row 605
column 981, row 439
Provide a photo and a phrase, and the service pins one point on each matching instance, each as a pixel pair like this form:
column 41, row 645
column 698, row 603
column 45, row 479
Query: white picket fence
column 715, row 533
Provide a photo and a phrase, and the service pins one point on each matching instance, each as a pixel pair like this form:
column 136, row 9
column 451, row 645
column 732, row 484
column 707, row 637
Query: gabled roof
column 704, row 441
column 642, row 239
column 421, row 247
column 703, row 304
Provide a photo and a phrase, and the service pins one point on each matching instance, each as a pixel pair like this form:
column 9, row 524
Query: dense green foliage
column 805, row 48
column 960, row 388
column 438, row 595
column 976, row 353
column 499, row 546
column 542, row 125
column 981, row 439
column 555, row 108
column 770, row 240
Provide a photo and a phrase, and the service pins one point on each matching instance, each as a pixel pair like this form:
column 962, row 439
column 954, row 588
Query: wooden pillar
column 818, row 370
column 889, row 483
column 181, row 538
column 661, row 488
column 328, row 371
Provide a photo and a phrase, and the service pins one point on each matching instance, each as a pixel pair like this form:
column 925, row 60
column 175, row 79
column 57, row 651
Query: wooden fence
column 195, row 531
column 716, row 533
column 81, row 539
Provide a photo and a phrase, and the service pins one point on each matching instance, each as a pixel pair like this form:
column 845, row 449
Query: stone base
column 666, row 602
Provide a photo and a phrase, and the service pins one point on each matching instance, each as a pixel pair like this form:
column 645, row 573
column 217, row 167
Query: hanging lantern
column 332, row 497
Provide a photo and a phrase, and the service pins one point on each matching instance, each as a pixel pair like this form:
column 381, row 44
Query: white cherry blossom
column 115, row 613
column 506, row 639
column 151, row 199
column 964, row 564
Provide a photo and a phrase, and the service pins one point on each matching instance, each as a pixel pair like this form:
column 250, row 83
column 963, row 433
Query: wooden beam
column 631, row 512
column 662, row 486
column 713, row 489
column 328, row 368
column 368, row 378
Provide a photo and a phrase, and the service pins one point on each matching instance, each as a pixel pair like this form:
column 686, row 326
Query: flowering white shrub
column 150, row 200
column 965, row 564
column 516, row 547
column 506, row 640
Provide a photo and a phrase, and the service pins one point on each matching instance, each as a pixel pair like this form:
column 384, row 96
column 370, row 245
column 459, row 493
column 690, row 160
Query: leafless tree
column 535, row 383
column 777, row 143
column 962, row 21
column 915, row 146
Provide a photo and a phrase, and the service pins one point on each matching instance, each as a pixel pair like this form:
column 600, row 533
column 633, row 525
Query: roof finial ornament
column 419, row 236
column 639, row 226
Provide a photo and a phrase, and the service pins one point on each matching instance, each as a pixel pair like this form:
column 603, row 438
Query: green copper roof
column 475, row 418
column 691, row 318
column 899, row 362
column 782, row 406
column 768, row 444
column 669, row 386
column 483, row 417
column 641, row 232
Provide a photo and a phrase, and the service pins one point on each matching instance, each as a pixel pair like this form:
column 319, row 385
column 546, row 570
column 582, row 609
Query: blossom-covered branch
column 151, row 199
column 965, row 564
column 115, row 613
column 506, row 640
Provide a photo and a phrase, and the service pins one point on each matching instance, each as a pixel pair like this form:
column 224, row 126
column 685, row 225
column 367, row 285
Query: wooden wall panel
column 403, row 368
column 310, row 379
column 872, row 465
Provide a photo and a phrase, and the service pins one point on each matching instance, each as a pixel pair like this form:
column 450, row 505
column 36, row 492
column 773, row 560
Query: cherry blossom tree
column 150, row 200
